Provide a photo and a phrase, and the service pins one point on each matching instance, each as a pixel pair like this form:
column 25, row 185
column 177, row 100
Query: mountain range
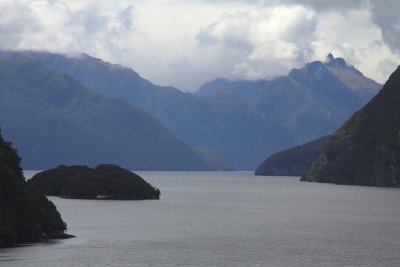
column 238, row 122
column 223, row 122
column 53, row 119
column 309, row 102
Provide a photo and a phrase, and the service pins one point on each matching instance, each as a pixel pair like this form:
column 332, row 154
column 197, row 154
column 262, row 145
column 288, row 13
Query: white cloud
column 185, row 43
column 353, row 36
column 263, row 42
column 386, row 15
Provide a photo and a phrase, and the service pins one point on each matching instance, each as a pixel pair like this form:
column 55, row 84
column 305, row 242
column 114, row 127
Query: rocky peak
column 335, row 62
column 329, row 57
column 340, row 63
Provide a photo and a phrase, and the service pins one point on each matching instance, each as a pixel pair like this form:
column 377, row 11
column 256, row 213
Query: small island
column 106, row 181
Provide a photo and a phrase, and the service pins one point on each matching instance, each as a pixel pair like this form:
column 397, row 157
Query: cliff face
column 25, row 215
column 366, row 149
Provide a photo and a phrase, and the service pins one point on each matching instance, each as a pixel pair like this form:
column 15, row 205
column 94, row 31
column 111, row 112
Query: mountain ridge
column 55, row 120
column 309, row 102
column 234, row 129
column 265, row 117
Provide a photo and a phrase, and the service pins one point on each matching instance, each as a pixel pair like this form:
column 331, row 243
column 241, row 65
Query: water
column 227, row 219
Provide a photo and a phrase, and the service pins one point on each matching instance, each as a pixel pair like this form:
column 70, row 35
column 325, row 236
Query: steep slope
column 295, row 161
column 55, row 120
column 25, row 214
column 366, row 149
column 223, row 122
column 309, row 102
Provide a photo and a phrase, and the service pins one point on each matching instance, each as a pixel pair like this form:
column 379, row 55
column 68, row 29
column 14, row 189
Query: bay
column 226, row 219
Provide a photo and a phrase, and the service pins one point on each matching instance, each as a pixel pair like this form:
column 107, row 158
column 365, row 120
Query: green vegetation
column 366, row 149
column 106, row 181
column 25, row 214
column 295, row 161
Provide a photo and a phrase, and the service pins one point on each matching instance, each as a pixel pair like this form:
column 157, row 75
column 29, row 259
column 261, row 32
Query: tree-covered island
column 106, row 181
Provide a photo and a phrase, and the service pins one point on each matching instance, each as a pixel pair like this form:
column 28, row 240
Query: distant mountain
column 244, row 120
column 366, row 149
column 295, row 161
column 308, row 103
column 224, row 122
column 215, row 159
column 25, row 214
column 53, row 120
column 246, row 89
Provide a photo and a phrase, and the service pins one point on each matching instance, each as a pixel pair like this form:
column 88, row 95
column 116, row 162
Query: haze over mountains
column 244, row 120
column 53, row 119
column 224, row 122
column 308, row 103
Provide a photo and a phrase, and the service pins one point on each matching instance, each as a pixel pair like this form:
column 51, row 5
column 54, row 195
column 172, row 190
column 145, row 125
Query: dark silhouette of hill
column 106, row 181
column 55, row 120
column 366, row 149
column 25, row 214
column 295, row 161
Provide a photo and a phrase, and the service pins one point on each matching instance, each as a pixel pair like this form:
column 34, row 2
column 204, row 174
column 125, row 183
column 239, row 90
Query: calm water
column 227, row 219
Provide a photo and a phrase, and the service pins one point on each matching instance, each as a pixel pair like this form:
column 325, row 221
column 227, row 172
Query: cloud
column 332, row 5
column 262, row 43
column 271, row 40
column 185, row 43
column 386, row 16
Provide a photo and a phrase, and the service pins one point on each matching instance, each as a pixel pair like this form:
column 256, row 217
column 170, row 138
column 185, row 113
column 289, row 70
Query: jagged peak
column 329, row 57
column 340, row 63
column 335, row 62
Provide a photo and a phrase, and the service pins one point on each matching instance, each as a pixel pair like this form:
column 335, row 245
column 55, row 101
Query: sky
column 184, row 43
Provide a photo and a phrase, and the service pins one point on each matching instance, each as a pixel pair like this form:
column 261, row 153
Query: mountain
column 243, row 120
column 215, row 159
column 245, row 89
column 106, row 181
column 309, row 102
column 25, row 214
column 55, row 120
column 295, row 161
column 366, row 149
column 223, row 122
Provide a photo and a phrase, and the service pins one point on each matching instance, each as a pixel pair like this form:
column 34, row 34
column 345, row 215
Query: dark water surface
column 227, row 219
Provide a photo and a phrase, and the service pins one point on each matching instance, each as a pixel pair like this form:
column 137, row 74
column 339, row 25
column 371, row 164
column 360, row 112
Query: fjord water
column 227, row 219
